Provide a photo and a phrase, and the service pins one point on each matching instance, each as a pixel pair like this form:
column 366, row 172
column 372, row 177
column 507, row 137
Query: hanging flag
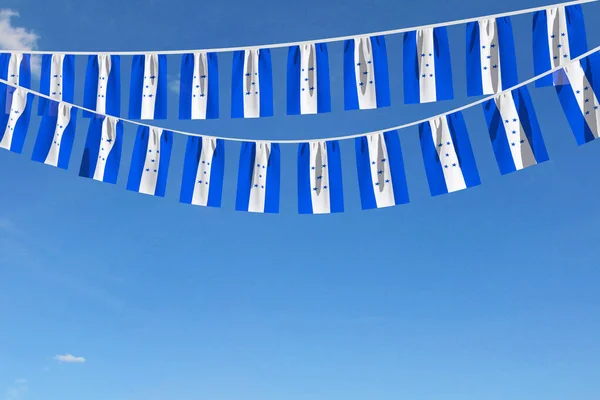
column 55, row 137
column 57, row 81
column 102, row 153
column 103, row 85
column 148, row 90
column 381, row 175
column 14, row 124
column 320, row 189
column 427, row 71
column 258, row 178
column 366, row 78
column 491, row 59
column 199, row 86
column 14, row 68
column 579, row 97
column 558, row 36
column 202, row 183
column 252, row 84
column 514, row 130
column 447, row 154
column 308, row 90
column 150, row 161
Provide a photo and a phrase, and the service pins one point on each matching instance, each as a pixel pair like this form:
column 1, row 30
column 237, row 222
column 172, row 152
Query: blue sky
column 490, row 293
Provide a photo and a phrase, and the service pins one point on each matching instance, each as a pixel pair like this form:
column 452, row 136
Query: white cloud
column 18, row 391
column 17, row 38
column 69, row 358
column 174, row 83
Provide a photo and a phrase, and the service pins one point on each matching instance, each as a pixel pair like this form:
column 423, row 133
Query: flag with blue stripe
column 102, row 91
column 308, row 89
column 202, row 183
column 366, row 77
column 150, row 161
column 102, row 153
column 148, row 90
column 259, row 178
column 55, row 137
column 199, row 86
column 491, row 59
column 514, row 131
column 558, row 36
column 320, row 189
column 57, row 81
column 15, row 68
column 381, row 176
column 252, row 84
column 447, row 154
column 427, row 71
column 14, row 123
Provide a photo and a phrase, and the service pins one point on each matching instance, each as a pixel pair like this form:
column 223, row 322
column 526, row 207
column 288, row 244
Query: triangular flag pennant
column 57, row 81
column 55, row 136
column 148, row 91
column 259, row 178
column 103, row 85
column 14, row 124
column 252, row 84
column 308, row 89
column 102, row 153
column 150, row 161
column 202, row 183
column 199, row 86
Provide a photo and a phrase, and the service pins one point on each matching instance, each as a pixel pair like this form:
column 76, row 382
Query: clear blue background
column 490, row 293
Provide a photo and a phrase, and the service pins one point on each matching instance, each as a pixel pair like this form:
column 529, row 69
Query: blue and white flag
column 55, row 137
column 366, row 77
column 320, row 189
column 252, row 84
column 491, row 59
column 102, row 153
column 514, row 131
column 579, row 97
column 558, row 36
column 148, row 90
column 199, row 86
column 308, row 90
column 202, row 183
column 259, row 178
column 103, row 85
column 150, row 161
column 14, row 68
column 14, row 124
column 381, row 176
column 57, row 81
column 447, row 154
column 427, row 71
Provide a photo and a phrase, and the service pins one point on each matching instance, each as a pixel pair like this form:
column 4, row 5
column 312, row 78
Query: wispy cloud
column 18, row 390
column 16, row 37
column 69, row 358
column 174, row 83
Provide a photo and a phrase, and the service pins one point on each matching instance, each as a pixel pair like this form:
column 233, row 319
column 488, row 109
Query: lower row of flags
column 448, row 157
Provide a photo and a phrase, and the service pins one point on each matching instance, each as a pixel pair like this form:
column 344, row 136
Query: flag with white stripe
column 447, row 154
column 366, row 77
column 308, row 89
column 150, row 161
column 55, row 137
column 57, row 80
column 102, row 91
column 427, row 71
column 14, row 68
column 514, row 131
column 381, row 176
column 14, row 124
column 491, row 59
column 148, row 90
column 202, row 183
column 259, row 178
column 320, row 189
column 558, row 36
column 199, row 86
column 102, row 154
column 252, row 84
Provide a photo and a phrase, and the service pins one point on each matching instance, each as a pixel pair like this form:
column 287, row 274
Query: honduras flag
column 320, row 188
column 514, row 130
column 491, row 59
column 308, row 89
column 381, row 176
column 150, row 161
column 148, row 91
column 102, row 153
column 15, row 69
column 447, row 154
column 258, row 178
column 103, row 85
column 57, row 81
column 366, row 78
column 55, row 137
column 252, row 84
column 14, row 124
column 427, row 72
column 579, row 98
column 203, row 170
column 199, row 86
column 558, row 36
